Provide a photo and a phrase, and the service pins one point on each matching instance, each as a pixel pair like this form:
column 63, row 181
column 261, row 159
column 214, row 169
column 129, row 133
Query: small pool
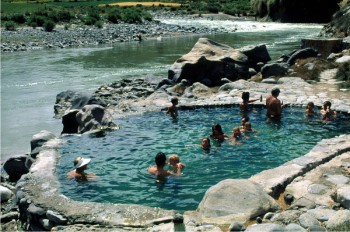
column 121, row 158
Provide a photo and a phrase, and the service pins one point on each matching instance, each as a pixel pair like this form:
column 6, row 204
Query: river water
column 31, row 80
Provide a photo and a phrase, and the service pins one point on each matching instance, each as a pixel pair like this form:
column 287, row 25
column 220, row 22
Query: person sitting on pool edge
column 217, row 133
column 79, row 174
column 273, row 104
column 174, row 162
column 159, row 170
column 243, row 106
column 172, row 110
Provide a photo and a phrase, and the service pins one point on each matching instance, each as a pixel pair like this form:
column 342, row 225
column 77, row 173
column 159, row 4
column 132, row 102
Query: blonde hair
column 174, row 158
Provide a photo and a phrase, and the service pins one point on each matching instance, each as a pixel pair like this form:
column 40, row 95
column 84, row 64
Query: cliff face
column 340, row 24
column 307, row 11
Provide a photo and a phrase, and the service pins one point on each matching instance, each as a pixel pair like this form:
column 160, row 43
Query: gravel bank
column 27, row 38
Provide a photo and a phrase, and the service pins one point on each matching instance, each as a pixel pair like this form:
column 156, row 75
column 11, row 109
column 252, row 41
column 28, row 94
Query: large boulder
column 94, row 117
column 208, row 62
column 235, row 200
column 67, row 100
column 15, row 167
column 296, row 11
column 40, row 138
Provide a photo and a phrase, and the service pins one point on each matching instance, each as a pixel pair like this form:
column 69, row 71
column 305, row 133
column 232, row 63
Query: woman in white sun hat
column 79, row 174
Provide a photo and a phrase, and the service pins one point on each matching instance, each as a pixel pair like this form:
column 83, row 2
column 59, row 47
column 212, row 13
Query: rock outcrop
column 296, row 11
column 339, row 25
column 210, row 62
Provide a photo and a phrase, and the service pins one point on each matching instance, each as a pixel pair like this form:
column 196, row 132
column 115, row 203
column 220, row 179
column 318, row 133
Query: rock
column 236, row 226
column 340, row 221
column 307, row 220
column 286, row 217
column 40, row 138
column 94, row 117
column 15, row 167
column 7, row 217
column 303, row 203
column 274, row 69
column 266, row 227
column 235, row 199
column 294, row 228
column 256, row 54
column 325, row 46
column 322, row 214
column 343, row 196
column 302, row 54
column 56, row 217
column 5, row 193
column 208, row 62
column 70, row 123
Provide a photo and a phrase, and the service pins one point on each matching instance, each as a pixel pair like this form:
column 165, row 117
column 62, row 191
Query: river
column 31, row 80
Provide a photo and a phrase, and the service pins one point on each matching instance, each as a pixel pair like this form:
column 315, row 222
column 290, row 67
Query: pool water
column 120, row 158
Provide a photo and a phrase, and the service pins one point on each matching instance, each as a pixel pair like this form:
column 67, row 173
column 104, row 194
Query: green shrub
column 10, row 26
column 18, row 18
column 49, row 25
column 99, row 24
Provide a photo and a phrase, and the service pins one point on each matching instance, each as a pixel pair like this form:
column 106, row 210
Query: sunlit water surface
column 120, row 158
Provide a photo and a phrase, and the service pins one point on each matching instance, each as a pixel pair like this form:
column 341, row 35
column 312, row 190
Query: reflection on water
column 121, row 158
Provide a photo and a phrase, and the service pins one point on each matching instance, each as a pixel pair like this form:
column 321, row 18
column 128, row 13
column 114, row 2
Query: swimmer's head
column 245, row 96
column 174, row 159
column 217, row 128
column 160, row 159
column 206, row 142
column 174, row 100
column 275, row 91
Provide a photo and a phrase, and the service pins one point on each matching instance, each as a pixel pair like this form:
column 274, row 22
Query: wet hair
column 217, row 127
column 275, row 91
column 327, row 103
column 174, row 157
column 245, row 96
column 207, row 138
column 310, row 104
column 160, row 159
column 245, row 119
column 236, row 128
column 174, row 100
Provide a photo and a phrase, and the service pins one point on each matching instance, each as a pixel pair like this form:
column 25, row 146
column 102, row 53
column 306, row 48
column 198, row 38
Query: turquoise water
column 121, row 158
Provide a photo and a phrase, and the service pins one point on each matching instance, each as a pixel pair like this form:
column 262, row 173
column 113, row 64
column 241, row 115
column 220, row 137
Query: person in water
column 243, row 121
column 273, row 104
column 172, row 110
column 217, row 133
column 327, row 113
column 159, row 170
column 206, row 143
column 174, row 162
column 309, row 111
column 247, row 127
column 78, row 173
column 244, row 105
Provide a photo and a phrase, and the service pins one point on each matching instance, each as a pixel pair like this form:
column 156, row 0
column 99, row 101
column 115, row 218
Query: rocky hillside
column 340, row 24
column 310, row 11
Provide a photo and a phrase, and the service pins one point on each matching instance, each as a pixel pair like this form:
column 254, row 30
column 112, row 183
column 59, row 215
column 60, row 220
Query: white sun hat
column 82, row 162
